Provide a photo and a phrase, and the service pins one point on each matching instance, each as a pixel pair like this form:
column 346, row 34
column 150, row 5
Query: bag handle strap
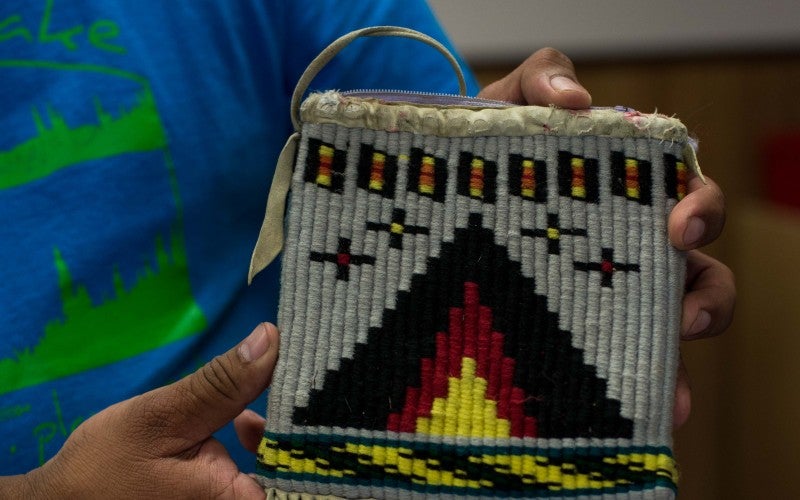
column 334, row 48
column 270, row 237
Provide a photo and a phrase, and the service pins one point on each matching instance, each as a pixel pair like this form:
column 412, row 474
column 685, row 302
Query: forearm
column 43, row 482
column 20, row 486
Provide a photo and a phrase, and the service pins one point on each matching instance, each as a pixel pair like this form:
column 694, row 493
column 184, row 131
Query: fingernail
column 701, row 322
column 694, row 231
column 255, row 345
column 563, row 84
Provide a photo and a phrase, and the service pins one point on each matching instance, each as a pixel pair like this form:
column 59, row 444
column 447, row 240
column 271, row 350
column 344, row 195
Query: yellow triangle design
column 465, row 411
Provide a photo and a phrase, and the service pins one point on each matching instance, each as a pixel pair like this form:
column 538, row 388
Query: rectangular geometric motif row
column 477, row 177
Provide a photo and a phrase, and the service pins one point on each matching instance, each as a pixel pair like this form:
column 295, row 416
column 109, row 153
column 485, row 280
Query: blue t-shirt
column 137, row 147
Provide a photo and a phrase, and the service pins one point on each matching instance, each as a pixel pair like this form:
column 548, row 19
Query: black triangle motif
column 563, row 394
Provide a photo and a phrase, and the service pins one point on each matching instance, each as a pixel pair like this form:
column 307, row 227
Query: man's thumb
column 201, row 403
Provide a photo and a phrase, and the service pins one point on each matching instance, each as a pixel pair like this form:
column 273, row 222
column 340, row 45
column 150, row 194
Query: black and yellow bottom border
column 511, row 471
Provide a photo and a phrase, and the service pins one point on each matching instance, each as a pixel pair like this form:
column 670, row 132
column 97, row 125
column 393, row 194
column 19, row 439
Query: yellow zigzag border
column 540, row 471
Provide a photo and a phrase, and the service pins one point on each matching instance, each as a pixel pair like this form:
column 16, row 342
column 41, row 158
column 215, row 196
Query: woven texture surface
column 477, row 316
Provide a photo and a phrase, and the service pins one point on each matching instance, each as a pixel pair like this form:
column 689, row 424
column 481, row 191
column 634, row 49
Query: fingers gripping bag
column 478, row 299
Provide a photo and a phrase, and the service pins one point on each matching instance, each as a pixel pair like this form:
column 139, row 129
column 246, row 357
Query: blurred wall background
column 731, row 72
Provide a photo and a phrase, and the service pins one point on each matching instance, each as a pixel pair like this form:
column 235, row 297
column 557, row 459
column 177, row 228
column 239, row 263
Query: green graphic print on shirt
column 154, row 309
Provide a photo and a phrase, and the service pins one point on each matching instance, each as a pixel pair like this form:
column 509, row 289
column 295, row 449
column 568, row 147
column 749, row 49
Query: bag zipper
column 434, row 98
column 444, row 99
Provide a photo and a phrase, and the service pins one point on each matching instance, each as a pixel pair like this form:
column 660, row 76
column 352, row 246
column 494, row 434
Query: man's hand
column 548, row 78
column 159, row 444
column 708, row 304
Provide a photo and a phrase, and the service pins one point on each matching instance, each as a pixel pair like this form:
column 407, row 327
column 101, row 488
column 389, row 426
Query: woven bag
column 478, row 299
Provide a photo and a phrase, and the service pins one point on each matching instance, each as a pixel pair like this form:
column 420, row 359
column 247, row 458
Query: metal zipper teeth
column 441, row 99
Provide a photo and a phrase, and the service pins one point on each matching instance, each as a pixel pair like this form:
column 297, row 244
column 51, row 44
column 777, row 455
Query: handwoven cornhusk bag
column 477, row 299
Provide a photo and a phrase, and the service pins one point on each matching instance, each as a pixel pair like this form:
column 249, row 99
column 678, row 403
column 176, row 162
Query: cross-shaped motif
column 606, row 266
column 552, row 233
column 343, row 259
column 397, row 228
